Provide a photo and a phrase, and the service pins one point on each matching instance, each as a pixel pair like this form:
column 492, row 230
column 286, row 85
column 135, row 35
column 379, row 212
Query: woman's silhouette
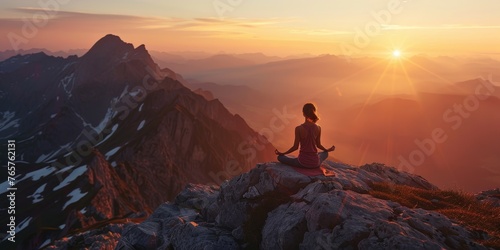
column 308, row 135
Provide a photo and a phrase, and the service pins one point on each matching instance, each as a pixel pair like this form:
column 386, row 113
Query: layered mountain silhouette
column 109, row 135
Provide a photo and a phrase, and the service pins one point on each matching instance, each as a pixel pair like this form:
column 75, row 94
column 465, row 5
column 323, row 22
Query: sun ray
column 368, row 99
column 428, row 71
column 409, row 81
column 363, row 150
column 437, row 76
column 340, row 81
column 389, row 151
column 439, row 148
column 416, row 94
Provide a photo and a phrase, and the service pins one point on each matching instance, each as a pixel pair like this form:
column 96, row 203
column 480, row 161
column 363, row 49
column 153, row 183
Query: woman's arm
column 295, row 144
column 318, row 142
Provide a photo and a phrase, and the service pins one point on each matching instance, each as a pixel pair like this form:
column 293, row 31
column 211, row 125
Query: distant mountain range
column 374, row 109
column 181, row 62
column 110, row 135
column 4, row 55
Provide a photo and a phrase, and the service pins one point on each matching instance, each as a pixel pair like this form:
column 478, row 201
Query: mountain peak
column 109, row 52
column 142, row 53
column 111, row 39
column 141, row 47
column 110, row 46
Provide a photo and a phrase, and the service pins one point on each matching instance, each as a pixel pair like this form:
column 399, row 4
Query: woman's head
column 309, row 111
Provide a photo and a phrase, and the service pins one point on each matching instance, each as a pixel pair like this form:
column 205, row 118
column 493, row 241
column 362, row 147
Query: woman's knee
column 323, row 155
column 281, row 158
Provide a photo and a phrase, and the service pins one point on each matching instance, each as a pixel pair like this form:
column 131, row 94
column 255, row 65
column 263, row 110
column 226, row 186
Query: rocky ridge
column 274, row 207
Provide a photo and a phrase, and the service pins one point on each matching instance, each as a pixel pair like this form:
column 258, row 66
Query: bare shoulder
column 318, row 129
column 298, row 129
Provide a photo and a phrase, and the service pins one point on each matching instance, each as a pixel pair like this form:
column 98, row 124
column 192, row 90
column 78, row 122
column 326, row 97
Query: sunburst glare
column 396, row 53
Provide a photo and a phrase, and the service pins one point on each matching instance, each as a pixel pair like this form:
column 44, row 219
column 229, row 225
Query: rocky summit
column 274, row 207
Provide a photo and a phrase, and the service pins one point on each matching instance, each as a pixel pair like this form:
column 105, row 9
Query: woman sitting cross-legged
column 308, row 135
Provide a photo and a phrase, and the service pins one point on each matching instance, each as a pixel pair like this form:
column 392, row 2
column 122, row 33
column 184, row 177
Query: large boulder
column 490, row 196
column 180, row 225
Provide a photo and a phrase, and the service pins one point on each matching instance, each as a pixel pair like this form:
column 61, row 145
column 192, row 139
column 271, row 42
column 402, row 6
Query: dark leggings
column 294, row 161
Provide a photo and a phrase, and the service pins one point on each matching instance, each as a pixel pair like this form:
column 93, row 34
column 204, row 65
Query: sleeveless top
column 308, row 154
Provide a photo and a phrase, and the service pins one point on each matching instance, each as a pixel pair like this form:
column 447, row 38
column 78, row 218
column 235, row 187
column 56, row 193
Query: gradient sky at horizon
column 280, row 27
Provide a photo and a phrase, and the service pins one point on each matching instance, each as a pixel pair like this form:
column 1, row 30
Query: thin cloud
column 86, row 28
column 210, row 20
column 62, row 14
column 319, row 32
column 442, row 27
column 192, row 26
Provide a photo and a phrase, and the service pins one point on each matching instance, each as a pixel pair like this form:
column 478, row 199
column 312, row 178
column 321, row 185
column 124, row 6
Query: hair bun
column 309, row 111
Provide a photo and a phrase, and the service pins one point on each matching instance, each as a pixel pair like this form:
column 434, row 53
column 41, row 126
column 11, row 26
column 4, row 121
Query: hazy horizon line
column 493, row 55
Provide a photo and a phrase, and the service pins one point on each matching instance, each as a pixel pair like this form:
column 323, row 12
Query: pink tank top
column 308, row 155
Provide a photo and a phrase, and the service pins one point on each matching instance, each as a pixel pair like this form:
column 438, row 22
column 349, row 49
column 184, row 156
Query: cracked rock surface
column 274, row 207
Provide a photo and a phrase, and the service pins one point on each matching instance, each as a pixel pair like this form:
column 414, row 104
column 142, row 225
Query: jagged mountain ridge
column 110, row 135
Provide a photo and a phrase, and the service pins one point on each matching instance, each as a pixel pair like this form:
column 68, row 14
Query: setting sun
column 396, row 53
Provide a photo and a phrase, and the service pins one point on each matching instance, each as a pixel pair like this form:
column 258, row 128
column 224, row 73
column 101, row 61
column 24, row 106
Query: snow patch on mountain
column 110, row 113
column 71, row 177
column 65, row 169
column 113, row 130
column 46, row 157
column 6, row 117
column 23, row 224
column 37, row 196
column 38, row 174
column 45, row 243
column 141, row 125
column 75, row 195
column 3, row 186
column 68, row 65
column 7, row 121
column 111, row 152
column 27, row 139
column 136, row 92
column 68, row 84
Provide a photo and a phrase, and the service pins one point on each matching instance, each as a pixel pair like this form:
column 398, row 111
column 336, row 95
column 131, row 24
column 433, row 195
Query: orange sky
column 280, row 27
